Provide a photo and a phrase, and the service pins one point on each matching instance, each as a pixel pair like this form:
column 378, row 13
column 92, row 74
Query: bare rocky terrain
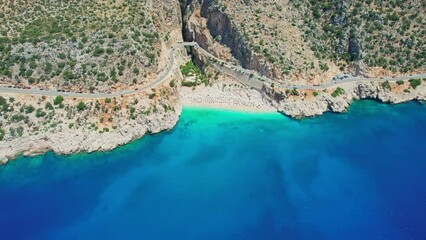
column 310, row 103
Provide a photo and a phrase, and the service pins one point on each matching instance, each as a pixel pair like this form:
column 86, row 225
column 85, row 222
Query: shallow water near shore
column 232, row 175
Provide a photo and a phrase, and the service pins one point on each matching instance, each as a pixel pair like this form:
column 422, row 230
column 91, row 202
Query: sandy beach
column 226, row 95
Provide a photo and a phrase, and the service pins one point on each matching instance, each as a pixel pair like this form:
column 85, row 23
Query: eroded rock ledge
column 69, row 142
column 102, row 125
column 309, row 103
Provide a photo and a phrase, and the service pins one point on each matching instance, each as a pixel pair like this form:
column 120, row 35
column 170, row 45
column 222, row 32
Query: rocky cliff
column 101, row 125
column 206, row 24
column 310, row 42
column 309, row 103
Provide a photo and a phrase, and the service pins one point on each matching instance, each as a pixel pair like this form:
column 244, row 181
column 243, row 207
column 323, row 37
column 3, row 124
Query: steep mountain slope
column 311, row 41
column 386, row 34
column 87, row 44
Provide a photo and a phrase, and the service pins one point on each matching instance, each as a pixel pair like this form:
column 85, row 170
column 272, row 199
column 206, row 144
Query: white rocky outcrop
column 308, row 107
column 71, row 141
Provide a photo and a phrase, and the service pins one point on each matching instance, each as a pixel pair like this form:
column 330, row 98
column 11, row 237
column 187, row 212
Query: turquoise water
column 228, row 175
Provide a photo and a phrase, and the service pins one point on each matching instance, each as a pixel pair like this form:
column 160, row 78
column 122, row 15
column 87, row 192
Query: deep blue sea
column 229, row 175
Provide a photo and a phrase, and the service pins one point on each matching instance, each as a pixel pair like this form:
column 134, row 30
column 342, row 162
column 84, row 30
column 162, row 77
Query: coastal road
column 257, row 80
column 248, row 77
column 159, row 80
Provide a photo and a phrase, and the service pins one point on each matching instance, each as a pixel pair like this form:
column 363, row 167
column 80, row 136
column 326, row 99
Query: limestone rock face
column 366, row 91
column 213, row 30
column 308, row 107
column 68, row 141
column 302, row 109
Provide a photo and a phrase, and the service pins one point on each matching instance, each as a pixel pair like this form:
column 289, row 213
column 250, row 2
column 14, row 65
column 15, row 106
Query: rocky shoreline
column 227, row 95
column 103, row 125
column 307, row 105
column 71, row 142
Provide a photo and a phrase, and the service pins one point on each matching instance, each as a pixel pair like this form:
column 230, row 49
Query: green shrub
column 339, row 91
column 69, row 75
column 20, row 131
column 415, row 83
column 48, row 68
column 58, row 100
column 2, row 101
column 188, row 84
column 2, row 134
column 81, row 106
column 172, row 83
column 315, row 94
column 61, row 65
column 136, row 70
column 40, row 113
column 386, row 85
column 98, row 52
column 48, row 106
column 29, row 109
column 190, row 69
column 17, row 118
column 399, row 82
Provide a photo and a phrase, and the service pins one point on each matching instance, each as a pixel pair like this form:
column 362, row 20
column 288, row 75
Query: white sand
column 225, row 95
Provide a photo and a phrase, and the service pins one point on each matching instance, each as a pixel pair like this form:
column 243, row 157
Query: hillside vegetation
column 388, row 34
column 84, row 44
column 312, row 40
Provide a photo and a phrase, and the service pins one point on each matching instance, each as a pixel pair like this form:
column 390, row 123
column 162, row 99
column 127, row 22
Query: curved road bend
column 161, row 78
column 233, row 71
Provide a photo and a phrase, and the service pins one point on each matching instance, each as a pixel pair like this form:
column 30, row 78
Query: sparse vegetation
column 29, row 109
column 2, row 134
column 81, row 106
column 190, row 70
column 386, row 85
column 172, row 84
column 189, row 84
column 389, row 36
column 415, row 83
column 40, row 113
column 330, row 34
column 49, row 106
column 100, row 34
column 339, row 91
column 58, row 100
